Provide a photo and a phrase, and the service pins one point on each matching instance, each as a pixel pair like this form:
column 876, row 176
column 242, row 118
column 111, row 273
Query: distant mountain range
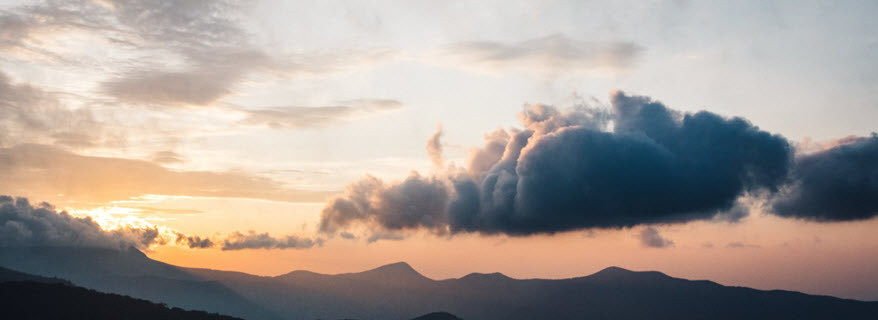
column 397, row 292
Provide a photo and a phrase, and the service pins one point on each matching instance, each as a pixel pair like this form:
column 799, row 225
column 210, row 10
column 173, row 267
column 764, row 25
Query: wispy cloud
column 292, row 117
column 253, row 240
column 650, row 237
column 51, row 173
column 548, row 54
column 30, row 114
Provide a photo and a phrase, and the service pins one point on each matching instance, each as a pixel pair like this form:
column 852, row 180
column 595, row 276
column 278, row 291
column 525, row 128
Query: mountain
column 438, row 316
column 397, row 291
column 131, row 273
column 8, row 275
column 42, row 300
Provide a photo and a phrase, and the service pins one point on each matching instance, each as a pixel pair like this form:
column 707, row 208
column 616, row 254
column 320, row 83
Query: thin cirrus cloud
column 287, row 118
column 639, row 163
column 168, row 54
column 552, row 53
column 30, row 114
column 54, row 174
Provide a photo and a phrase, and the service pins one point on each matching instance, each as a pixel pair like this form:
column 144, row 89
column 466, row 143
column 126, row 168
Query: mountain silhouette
column 398, row 291
column 438, row 316
column 42, row 300
column 129, row 272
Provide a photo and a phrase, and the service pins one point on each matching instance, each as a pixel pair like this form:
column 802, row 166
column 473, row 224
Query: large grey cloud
column 836, row 184
column 638, row 163
column 25, row 225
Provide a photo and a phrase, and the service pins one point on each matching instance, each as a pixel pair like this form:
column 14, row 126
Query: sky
column 730, row 141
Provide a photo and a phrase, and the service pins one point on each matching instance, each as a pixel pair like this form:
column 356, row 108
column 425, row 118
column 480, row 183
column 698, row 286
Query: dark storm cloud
column 650, row 237
column 639, row 163
column 253, row 240
column 837, row 184
column 26, row 225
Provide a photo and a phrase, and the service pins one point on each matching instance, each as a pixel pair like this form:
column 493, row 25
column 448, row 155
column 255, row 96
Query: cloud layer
column 26, row 225
column 253, row 240
column 45, row 172
column 638, row 163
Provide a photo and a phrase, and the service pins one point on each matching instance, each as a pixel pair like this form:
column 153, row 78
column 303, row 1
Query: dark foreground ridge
column 25, row 296
column 398, row 291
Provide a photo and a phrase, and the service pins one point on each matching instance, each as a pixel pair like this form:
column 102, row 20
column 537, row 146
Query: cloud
column 413, row 203
column 347, row 235
column 169, row 54
column 50, row 173
column 552, row 53
column 287, row 118
column 638, row 163
column 30, row 114
column 167, row 157
column 656, row 166
column 742, row 245
column 836, row 184
column 434, row 148
column 26, row 225
column 253, row 240
column 650, row 237
column 194, row 242
column 384, row 235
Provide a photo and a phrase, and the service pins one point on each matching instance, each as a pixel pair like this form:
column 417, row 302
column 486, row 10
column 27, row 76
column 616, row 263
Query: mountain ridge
column 398, row 291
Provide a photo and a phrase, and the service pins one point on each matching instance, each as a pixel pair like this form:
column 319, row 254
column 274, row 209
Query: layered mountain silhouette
column 396, row 291
column 26, row 296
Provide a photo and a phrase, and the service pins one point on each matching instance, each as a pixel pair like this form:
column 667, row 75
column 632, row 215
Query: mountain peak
column 396, row 267
column 616, row 273
column 485, row 276
column 394, row 272
column 613, row 270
